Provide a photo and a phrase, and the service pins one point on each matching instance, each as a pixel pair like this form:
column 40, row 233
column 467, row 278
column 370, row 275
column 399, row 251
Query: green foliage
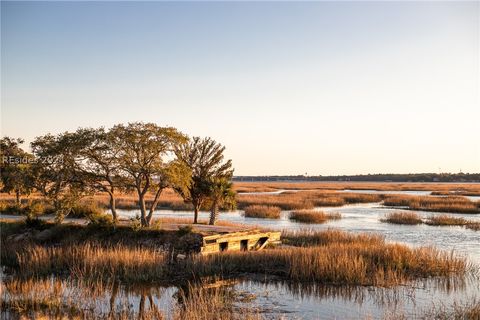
column 56, row 177
column 184, row 230
column 136, row 156
column 34, row 209
column 221, row 195
column 143, row 151
column 205, row 160
column 100, row 220
column 136, row 223
column 15, row 168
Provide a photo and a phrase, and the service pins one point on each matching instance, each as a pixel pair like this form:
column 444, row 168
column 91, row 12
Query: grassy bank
column 452, row 204
column 411, row 218
column 328, row 257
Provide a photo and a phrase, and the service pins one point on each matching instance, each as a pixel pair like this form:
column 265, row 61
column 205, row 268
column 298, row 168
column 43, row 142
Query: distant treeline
column 416, row 177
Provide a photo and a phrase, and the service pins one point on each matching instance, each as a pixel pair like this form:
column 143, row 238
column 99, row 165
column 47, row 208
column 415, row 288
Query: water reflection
column 272, row 297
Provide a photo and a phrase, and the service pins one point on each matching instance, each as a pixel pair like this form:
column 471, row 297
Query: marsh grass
column 93, row 261
column 283, row 201
column 379, row 264
column 311, row 237
column 307, row 199
column 402, row 217
column 473, row 188
column 452, row 204
column 475, row 226
column 313, row 216
column 262, row 211
column 329, row 257
column 446, row 220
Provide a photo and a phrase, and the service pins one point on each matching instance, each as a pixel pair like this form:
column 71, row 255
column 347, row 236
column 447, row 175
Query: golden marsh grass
column 452, row 204
column 403, row 217
column 261, row 211
column 313, row 216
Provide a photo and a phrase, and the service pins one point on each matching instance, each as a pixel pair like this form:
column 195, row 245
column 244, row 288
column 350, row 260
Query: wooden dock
column 249, row 240
column 229, row 238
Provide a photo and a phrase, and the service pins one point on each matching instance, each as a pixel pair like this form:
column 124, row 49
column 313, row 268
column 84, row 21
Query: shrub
column 35, row 223
column 100, row 220
column 136, row 223
column 259, row 211
column 183, row 230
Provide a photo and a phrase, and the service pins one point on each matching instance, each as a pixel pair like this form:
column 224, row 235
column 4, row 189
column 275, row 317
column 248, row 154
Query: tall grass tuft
column 93, row 261
column 402, row 217
column 314, row 216
column 446, row 220
column 260, row 211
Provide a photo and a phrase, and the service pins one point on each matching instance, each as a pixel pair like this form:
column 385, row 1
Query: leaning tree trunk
column 213, row 213
column 153, row 206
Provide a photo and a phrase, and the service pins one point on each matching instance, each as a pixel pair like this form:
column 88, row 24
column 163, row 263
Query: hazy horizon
column 289, row 88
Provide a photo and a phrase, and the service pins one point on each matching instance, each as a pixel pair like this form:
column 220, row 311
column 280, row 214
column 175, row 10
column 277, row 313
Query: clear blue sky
column 289, row 88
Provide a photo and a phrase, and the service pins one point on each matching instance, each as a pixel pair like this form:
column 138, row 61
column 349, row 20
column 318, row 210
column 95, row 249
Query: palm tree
column 205, row 159
column 221, row 194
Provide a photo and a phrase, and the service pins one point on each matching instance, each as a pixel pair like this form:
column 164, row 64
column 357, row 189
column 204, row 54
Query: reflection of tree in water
column 146, row 294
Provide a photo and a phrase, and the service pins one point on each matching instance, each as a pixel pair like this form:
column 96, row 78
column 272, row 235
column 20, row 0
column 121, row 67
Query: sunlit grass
column 261, row 211
column 313, row 216
column 402, row 217
column 452, row 204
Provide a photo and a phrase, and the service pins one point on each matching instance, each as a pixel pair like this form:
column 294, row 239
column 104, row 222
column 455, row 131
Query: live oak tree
column 98, row 164
column 144, row 155
column 15, row 168
column 205, row 159
column 54, row 173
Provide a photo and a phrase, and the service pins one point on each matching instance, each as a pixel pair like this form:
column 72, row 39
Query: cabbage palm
column 221, row 194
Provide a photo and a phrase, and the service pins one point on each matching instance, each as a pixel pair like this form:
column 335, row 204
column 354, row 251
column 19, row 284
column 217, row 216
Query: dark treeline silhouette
column 387, row 177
